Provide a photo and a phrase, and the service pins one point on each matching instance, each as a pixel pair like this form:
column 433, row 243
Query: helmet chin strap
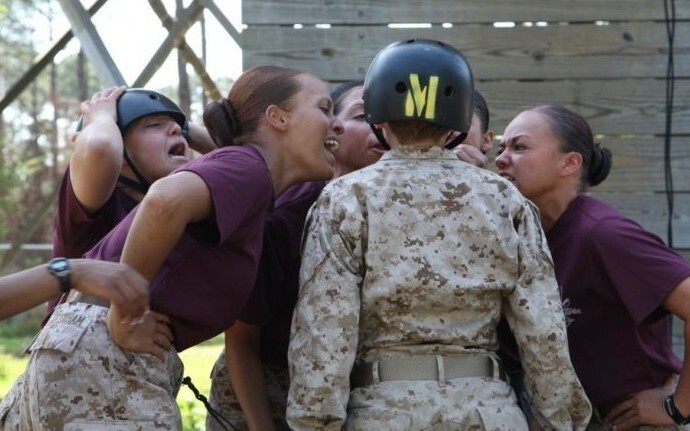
column 380, row 137
column 455, row 141
column 142, row 186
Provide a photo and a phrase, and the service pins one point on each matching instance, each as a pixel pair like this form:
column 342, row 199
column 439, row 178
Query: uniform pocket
column 64, row 330
column 502, row 418
column 106, row 425
column 368, row 419
column 10, row 403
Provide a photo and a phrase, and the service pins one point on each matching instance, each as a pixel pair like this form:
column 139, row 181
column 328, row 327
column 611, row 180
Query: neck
column 281, row 176
column 553, row 205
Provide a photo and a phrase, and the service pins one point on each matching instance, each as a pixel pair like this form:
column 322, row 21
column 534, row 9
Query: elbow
column 161, row 204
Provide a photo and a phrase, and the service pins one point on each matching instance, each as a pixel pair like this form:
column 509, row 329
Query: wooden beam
column 41, row 62
column 188, row 53
column 611, row 106
column 586, row 51
column 275, row 12
column 175, row 36
column 92, row 44
column 224, row 21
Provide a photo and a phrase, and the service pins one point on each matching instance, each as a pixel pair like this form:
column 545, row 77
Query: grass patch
column 198, row 362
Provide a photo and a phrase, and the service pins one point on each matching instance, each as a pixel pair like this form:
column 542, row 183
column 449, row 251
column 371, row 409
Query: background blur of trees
column 35, row 127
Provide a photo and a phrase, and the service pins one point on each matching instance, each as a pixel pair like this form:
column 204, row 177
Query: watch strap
column 672, row 410
column 60, row 268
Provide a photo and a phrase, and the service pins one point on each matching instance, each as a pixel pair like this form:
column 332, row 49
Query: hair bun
column 221, row 122
column 600, row 165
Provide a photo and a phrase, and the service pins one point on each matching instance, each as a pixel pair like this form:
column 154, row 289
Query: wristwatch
column 672, row 410
column 59, row 267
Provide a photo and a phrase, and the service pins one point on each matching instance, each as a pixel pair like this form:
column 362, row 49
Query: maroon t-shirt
column 277, row 284
column 614, row 277
column 207, row 278
column 75, row 231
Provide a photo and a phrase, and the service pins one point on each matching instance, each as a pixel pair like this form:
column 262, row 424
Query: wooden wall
column 606, row 59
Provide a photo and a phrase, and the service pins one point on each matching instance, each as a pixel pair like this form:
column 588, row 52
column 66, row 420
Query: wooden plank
column 618, row 50
column 612, row 107
column 457, row 11
column 650, row 210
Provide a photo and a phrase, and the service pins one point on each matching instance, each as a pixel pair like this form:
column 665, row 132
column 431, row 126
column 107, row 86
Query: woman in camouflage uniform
column 407, row 267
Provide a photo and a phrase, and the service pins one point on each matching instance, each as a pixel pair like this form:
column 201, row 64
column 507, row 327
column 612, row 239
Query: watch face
column 60, row 265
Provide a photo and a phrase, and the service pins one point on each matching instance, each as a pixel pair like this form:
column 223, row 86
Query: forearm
column 26, row 289
column 676, row 302
column 95, row 163
column 682, row 392
column 153, row 234
column 169, row 206
column 248, row 381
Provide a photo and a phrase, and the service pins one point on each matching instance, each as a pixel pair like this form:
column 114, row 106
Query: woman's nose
column 337, row 126
column 501, row 160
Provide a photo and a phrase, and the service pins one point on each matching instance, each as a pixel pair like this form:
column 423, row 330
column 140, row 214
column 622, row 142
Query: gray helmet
column 136, row 103
column 420, row 79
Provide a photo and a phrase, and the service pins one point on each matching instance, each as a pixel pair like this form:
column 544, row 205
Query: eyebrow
column 513, row 139
column 356, row 105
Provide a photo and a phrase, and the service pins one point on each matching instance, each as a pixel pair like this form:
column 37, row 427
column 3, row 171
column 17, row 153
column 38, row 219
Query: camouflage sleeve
column 535, row 315
column 324, row 332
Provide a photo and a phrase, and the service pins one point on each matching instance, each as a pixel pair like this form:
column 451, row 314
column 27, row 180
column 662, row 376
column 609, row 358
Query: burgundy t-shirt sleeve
column 642, row 269
column 75, row 231
column 231, row 174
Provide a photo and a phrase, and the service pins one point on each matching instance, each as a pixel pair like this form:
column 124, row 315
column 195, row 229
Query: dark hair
column 575, row 135
column 481, row 109
column 340, row 91
column 234, row 120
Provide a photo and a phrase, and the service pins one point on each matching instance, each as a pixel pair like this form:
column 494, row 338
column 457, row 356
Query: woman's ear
column 487, row 142
column 572, row 163
column 276, row 117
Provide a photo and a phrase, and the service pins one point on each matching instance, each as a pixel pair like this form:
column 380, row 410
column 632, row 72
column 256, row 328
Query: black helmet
column 135, row 103
column 420, row 79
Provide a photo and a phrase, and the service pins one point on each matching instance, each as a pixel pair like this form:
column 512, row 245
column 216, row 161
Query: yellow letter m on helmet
column 419, row 98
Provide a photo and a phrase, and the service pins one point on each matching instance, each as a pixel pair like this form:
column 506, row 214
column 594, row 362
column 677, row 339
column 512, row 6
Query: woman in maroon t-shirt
column 619, row 283
column 197, row 237
column 256, row 399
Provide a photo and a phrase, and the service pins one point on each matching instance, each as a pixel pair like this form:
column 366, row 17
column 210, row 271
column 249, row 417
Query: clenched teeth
column 331, row 144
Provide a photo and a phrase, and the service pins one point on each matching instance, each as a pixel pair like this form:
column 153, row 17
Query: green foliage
column 197, row 362
column 15, row 329
column 193, row 415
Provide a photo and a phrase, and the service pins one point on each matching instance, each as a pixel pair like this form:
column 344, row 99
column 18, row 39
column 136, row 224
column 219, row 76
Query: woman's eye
column 360, row 117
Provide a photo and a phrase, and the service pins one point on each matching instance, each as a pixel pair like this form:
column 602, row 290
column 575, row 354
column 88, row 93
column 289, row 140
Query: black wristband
column 59, row 267
column 672, row 410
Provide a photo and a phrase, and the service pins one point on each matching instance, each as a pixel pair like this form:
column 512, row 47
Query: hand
column 199, row 139
column 102, row 103
column 641, row 408
column 116, row 282
column 149, row 334
column 468, row 153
